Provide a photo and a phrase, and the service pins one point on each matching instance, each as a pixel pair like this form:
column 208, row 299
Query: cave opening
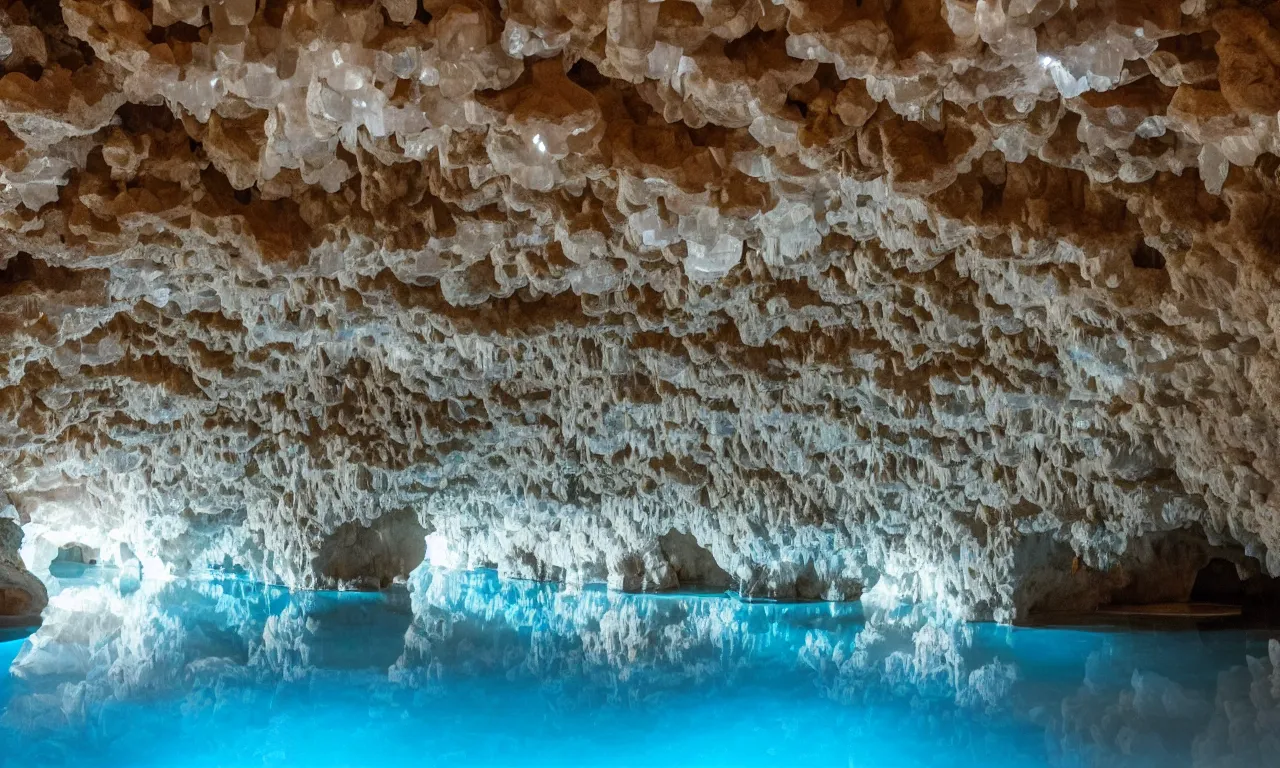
column 1146, row 257
column 695, row 566
column 1178, row 575
column 372, row 556
column 72, row 559
column 1245, row 585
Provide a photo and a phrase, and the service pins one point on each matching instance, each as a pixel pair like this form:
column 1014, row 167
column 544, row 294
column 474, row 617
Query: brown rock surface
column 22, row 595
column 971, row 300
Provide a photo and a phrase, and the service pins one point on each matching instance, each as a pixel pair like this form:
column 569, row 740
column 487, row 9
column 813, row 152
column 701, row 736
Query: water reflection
column 462, row 669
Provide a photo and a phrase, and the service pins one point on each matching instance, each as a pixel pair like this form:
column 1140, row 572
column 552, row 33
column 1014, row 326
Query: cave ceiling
column 964, row 301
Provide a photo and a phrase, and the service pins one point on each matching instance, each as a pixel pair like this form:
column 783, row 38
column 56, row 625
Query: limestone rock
column 961, row 301
column 22, row 595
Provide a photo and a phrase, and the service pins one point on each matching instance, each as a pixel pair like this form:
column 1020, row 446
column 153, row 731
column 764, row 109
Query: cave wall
column 885, row 294
column 22, row 595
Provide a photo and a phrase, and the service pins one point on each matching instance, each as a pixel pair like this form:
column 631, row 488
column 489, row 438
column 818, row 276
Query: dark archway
column 1246, row 585
column 370, row 557
column 693, row 563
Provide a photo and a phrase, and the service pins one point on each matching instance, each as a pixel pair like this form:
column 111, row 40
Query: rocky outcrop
column 961, row 300
column 22, row 595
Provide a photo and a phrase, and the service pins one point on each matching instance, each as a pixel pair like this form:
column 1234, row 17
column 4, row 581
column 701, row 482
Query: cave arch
column 1238, row 581
column 694, row 565
column 71, row 560
column 371, row 556
column 75, row 553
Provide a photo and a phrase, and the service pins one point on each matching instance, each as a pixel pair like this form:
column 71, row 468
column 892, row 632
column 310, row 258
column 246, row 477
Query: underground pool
column 465, row 669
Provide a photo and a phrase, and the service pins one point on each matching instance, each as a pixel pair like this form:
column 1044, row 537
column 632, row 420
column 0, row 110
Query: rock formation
column 22, row 595
column 969, row 301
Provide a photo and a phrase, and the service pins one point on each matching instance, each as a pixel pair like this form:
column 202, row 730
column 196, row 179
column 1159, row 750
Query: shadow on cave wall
column 694, row 565
column 356, row 556
column 1240, row 581
column 1170, row 568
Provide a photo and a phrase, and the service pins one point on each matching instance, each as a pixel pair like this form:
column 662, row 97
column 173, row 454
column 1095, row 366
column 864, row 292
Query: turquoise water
column 461, row 669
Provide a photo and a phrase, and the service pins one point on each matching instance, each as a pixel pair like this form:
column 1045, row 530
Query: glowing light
column 539, row 143
column 439, row 554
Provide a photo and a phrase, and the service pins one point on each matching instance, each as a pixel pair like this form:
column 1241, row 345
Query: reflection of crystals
column 117, row 662
column 908, row 281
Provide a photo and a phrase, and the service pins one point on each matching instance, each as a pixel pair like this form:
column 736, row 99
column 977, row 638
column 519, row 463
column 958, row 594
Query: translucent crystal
column 1069, row 85
column 631, row 23
column 349, row 78
column 400, row 11
column 652, row 230
column 712, row 263
column 1151, row 127
column 1137, row 170
column 405, row 63
column 1241, row 149
column 664, row 61
column 518, row 40
column 330, row 176
column 166, row 12
column 460, row 32
column 261, row 84
column 704, row 226
column 773, row 131
column 1213, row 168
column 790, row 231
column 39, row 181
column 240, row 11
column 1013, row 145
column 324, row 102
column 1011, row 41
column 598, row 277
column 960, row 17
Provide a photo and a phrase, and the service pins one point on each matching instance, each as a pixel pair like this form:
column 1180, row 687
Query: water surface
column 462, row 669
